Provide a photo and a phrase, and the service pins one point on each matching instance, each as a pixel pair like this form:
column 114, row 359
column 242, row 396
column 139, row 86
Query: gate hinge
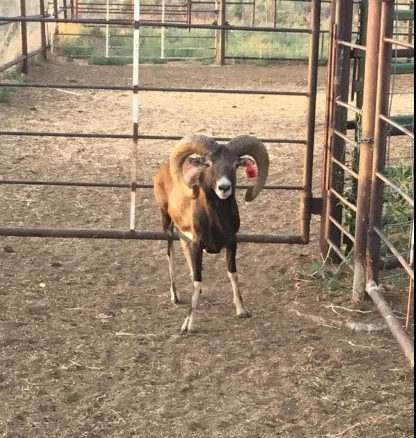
column 315, row 205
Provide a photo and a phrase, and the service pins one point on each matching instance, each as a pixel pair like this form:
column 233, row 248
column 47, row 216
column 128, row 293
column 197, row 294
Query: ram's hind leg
column 231, row 252
column 168, row 228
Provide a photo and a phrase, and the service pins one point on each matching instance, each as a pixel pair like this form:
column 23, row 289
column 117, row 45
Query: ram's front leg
column 231, row 252
column 196, row 255
column 168, row 229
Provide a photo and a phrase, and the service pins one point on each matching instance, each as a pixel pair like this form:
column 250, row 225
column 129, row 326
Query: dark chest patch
column 219, row 227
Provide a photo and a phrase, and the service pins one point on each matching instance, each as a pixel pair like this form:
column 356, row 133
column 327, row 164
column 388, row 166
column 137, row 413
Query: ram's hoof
column 174, row 296
column 186, row 327
column 243, row 313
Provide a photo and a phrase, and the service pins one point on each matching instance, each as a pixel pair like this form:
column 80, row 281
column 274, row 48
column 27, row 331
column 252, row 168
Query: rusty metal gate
column 308, row 205
column 355, row 170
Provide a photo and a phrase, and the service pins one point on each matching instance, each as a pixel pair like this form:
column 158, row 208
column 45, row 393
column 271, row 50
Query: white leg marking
column 188, row 234
column 174, row 296
column 242, row 312
column 188, row 324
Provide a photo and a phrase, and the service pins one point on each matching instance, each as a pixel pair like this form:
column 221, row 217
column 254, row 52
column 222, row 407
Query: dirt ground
column 90, row 343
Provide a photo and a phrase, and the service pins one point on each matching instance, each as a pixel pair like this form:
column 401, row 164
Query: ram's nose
column 224, row 187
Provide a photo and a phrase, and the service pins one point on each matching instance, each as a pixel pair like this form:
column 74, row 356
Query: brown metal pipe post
column 310, row 129
column 366, row 149
column 379, row 159
column 410, row 28
column 43, row 28
column 253, row 19
column 189, row 13
column 23, row 24
column 65, row 9
column 338, row 121
column 55, row 8
column 221, row 35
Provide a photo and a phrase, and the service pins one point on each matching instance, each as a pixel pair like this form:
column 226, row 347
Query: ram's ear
column 244, row 162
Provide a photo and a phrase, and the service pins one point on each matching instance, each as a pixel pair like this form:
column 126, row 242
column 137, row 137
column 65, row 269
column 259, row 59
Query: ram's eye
column 197, row 161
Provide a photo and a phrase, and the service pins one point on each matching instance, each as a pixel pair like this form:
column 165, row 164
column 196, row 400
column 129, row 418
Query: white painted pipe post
column 107, row 29
column 135, row 83
column 162, row 34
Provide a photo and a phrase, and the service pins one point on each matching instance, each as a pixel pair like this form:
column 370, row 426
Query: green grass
column 333, row 277
column 185, row 44
column 11, row 75
column 397, row 213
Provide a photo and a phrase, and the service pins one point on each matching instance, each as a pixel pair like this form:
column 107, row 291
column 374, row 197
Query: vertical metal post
column 23, row 24
column 65, row 6
column 310, row 126
column 410, row 29
column 337, row 120
column 107, row 28
column 189, row 13
column 56, row 31
column 323, row 237
column 275, row 14
column 379, row 158
column 221, row 35
column 42, row 28
column 72, row 8
column 76, row 8
column 366, row 149
column 162, row 32
column 253, row 19
column 135, row 83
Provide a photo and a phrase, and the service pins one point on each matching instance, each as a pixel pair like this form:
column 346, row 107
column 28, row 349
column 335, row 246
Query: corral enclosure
column 90, row 341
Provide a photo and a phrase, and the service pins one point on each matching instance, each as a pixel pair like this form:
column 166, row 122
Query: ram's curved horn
column 192, row 144
column 248, row 145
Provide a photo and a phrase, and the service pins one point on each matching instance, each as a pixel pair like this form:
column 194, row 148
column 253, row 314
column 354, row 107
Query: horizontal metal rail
column 397, row 126
column 396, row 188
column 343, row 200
column 352, row 45
column 344, row 137
column 339, row 252
column 117, row 185
column 72, row 233
column 263, row 58
column 389, row 317
column 147, row 88
column 399, row 43
column 344, row 167
column 139, row 23
column 394, row 251
column 139, row 136
column 20, row 59
column 348, row 106
column 167, row 37
column 340, row 227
